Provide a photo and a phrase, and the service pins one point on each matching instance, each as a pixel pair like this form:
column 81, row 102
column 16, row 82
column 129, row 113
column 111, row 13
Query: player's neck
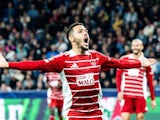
column 137, row 55
column 78, row 51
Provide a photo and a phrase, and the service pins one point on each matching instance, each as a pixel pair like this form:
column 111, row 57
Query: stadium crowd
column 35, row 29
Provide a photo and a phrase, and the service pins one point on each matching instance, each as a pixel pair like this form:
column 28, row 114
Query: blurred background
column 35, row 29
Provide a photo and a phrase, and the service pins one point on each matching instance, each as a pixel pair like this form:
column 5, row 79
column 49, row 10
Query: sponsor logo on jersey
column 93, row 62
column 85, row 80
column 133, row 72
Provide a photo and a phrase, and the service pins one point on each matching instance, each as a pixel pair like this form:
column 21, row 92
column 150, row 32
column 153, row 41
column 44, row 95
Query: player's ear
column 71, row 38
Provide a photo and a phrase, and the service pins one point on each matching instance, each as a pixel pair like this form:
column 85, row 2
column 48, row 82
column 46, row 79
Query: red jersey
column 54, row 92
column 81, row 87
column 133, row 82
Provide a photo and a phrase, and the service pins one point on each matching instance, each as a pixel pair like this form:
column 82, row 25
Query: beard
column 84, row 48
column 136, row 52
column 82, row 45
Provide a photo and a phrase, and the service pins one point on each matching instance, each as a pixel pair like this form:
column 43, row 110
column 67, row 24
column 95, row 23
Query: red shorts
column 134, row 105
column 85, row 118
column 55, row 103
column 94, row 115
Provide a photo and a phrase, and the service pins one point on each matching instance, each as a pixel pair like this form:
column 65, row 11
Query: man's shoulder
column 128, row 56
column 57, row 57
column 91, row 51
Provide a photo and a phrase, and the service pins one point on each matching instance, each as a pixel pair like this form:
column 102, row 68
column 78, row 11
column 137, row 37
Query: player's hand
column 147, row 62
column 153, row 104
column 120, row 96
column 3, row 62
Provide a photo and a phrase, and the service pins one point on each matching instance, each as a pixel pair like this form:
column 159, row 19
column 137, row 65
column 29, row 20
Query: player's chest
column 81, row 66
column 135, row 72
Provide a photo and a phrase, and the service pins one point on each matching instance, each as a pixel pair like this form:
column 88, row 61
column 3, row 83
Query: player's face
column 81, row 37
column 136, row 47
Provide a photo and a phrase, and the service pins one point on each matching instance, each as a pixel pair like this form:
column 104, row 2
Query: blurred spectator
column 149, row 27
column 10, row 54
column 26, row 34
column 60, row 42
column 52, row 52
column 120, row 45
column 6, row 76
column 2, row 41
column 13, row 82
column 130, row 16
column 18, row 75
column 118, row 22
column 5, row 87
column 21, row 52
column 40, row 82
column 131, row 35
column 154, row 13
column 155, row 67
column 33, row 12
column 156, row 85
column 142, row 37
column 19, row 85
column 113, row 85
column 25, row 19
column 105, row 83
column 158, row 33
column 10, row 11
column 28, row 82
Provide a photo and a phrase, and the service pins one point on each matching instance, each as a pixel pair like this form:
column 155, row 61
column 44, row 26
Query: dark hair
column 70, row 28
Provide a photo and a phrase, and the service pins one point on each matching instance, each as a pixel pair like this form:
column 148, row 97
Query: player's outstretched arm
column 3, row 62
column 23, row 65
column 128, row 63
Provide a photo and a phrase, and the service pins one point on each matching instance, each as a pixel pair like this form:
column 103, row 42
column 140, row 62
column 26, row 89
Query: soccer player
column 54, row 95
column 132, row 85
column 81, row 68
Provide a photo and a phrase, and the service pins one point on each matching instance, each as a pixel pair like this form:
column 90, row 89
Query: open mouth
column 86, row 40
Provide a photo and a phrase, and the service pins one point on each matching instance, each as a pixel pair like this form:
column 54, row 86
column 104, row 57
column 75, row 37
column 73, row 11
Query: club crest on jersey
column 85, row 80
column 93, row 62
